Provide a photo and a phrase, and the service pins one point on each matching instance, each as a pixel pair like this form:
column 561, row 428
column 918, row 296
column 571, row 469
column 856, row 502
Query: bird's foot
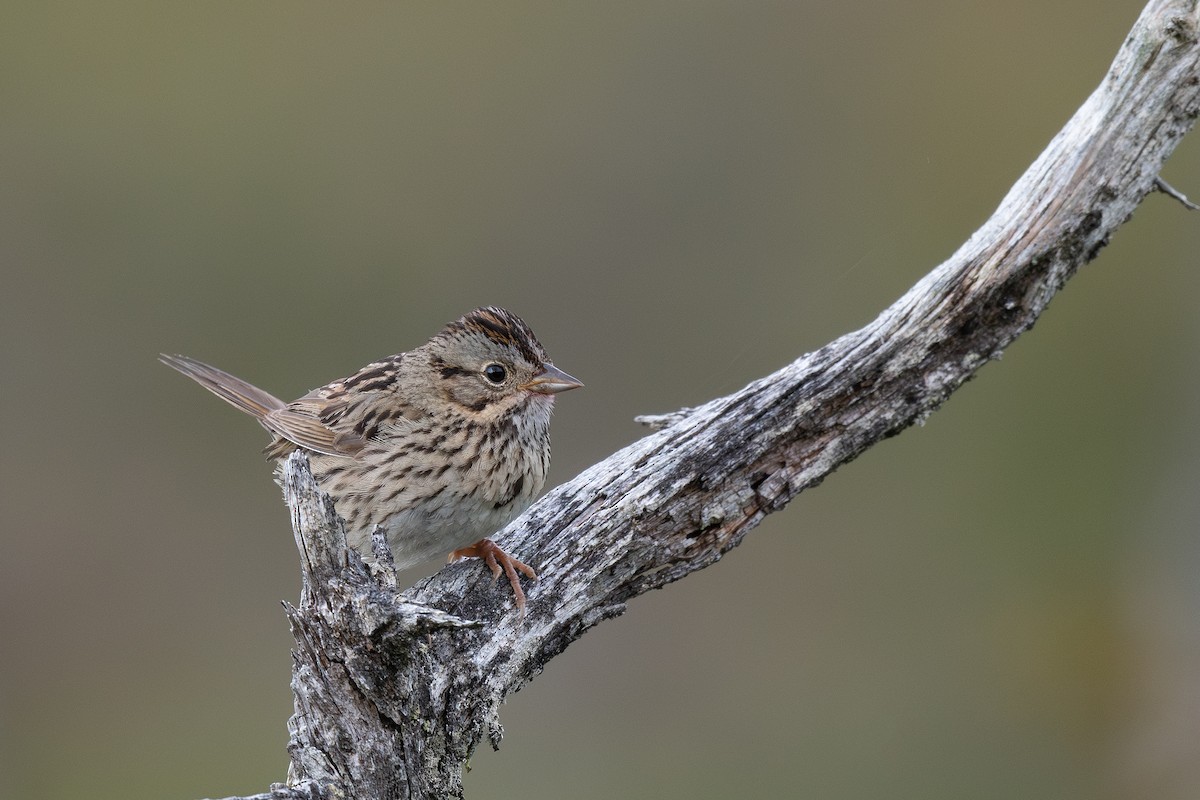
column 498, row 561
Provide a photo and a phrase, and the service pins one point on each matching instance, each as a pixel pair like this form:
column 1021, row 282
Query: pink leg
column 498, row 561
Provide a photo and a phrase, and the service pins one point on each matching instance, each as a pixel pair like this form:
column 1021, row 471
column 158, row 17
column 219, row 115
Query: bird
column 441, row 445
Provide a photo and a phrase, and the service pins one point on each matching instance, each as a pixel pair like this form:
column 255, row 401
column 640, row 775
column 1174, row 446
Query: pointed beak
column 552, row 380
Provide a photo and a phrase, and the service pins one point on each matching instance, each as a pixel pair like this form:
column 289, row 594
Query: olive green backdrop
column 679, row 197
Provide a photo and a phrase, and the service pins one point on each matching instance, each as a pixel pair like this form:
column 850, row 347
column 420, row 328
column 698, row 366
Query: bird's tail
column 232, row 390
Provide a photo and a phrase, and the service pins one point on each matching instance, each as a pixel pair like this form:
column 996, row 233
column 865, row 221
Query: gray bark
column 393, row 692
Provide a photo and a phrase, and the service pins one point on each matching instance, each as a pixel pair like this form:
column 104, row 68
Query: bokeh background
column 679, row 197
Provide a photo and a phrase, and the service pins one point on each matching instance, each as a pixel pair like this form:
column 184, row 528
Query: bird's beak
column 552, row 380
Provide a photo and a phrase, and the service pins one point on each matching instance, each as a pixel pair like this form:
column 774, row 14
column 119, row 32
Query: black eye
column 495, row 373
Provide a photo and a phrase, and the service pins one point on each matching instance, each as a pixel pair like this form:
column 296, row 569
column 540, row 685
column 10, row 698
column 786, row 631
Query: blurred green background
column 679, row 197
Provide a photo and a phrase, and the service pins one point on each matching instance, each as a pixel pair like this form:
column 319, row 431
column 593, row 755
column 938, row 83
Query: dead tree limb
column 394, row 692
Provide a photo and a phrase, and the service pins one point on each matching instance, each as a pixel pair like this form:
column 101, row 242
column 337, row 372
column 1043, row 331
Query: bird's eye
column 495, row 373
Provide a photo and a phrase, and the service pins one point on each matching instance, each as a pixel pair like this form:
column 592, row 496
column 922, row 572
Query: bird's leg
column 498, row 561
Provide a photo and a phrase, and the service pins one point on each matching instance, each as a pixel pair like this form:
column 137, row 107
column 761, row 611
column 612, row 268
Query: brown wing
column 339, row 418
column 299, row 423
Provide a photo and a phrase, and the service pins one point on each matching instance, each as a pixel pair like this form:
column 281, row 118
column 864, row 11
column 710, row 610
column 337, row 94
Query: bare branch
column 1171, row 191
column 393, row 693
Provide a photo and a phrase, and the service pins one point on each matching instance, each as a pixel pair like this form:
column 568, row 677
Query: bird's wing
column 340, row 418
column 305, row 423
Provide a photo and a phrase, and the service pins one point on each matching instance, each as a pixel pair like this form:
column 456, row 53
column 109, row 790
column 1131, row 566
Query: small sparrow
column 441, row 445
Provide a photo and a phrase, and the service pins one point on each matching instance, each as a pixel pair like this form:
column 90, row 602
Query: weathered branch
column 393, row 693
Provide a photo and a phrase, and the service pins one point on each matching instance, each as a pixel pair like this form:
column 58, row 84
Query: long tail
column 233, row 390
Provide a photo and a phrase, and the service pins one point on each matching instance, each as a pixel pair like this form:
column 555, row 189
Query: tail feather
column 231, row 389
